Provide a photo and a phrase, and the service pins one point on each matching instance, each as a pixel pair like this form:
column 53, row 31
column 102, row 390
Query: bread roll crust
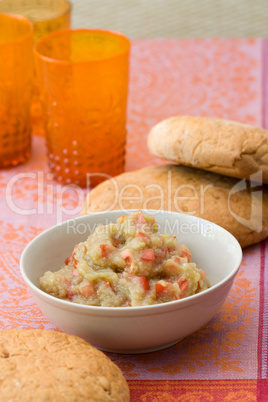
column 223, row 200
column 42, row 365
column 220, row 146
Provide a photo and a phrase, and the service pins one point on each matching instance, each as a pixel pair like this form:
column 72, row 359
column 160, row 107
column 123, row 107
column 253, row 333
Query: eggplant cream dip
column 126, row 264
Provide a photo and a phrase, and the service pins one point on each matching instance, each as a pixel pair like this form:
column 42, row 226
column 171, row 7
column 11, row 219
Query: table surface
column 227, row 359
column 173, row 18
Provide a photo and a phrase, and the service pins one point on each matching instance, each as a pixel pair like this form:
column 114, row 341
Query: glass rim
column 23, row 19
column 71, row 31
column 68, row 9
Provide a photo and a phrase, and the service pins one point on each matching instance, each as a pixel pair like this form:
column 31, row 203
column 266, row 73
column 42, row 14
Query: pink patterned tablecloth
column 227, row 359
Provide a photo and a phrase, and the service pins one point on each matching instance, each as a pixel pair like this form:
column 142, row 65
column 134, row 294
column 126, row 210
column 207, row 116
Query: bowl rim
column 147, row 309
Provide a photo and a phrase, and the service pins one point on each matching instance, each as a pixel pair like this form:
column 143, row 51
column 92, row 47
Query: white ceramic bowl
column 135, row 329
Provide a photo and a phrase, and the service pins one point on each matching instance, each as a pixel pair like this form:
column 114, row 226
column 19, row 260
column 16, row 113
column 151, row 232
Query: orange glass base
column 13, row 159
column 86, row 166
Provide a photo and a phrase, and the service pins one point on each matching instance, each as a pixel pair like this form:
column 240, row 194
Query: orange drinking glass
column 46, row 16
column 83, row 79
column 16, row 73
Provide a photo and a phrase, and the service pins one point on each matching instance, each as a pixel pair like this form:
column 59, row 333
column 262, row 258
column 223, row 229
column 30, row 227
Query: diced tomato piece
column 127, row 255
column 68, row 260
column 160, row 255
column 165, row 289
column 186, row 254
column 147, row 254
column 171, row 249
column 171, row 268
column 143, row 281
column 202, row 273
column 177, row 259
column 183, row 285
column 140, row 219
column 105, row 250
column 116, row 242
column 75, row 272
column 87, row 290
column 70, row 295
column 71, row 257
column 180, row 279
column 69, row 292
column 159, row 288
column 140, row 280
column 144, row 237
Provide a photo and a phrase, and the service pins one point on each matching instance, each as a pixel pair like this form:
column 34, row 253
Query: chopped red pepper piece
column 70, row 295
column 171, row 268
column 202, row 273
column 160, row 255
column 159, row 288
column 104, row 250
column 143, row 281
column 116, row 242
column 87, row 290
column 140, row 220
column 68, row 260
column 186, row 254
column 183, row 285
column 147, row 254
column 69, row 292
column 127, row 256
column 177, row 259
column 75, row 272
column 144, row 237
column 71, row 257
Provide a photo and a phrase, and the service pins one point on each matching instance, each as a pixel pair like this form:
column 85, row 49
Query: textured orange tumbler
column 46, row 16
column 83, row 78
column 16, row 73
